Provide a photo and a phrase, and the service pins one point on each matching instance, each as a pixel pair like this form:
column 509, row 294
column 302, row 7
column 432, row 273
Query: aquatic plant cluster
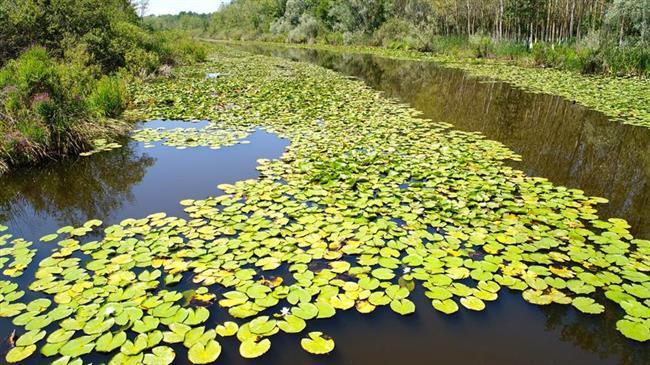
column 367, row 203
column 623, row 99
column 210, row 136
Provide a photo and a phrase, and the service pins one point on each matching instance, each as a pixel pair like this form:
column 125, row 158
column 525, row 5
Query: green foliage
column 47, row 105
column 397, row 34
column 196, row 24
column 478, row 29
column 109, row 99
column 58, row 25
column 482, row 45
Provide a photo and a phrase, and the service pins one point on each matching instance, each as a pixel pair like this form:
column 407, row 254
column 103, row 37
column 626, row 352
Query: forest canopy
column 590, row 35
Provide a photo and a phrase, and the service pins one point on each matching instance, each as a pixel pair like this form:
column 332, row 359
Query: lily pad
column 317, row 343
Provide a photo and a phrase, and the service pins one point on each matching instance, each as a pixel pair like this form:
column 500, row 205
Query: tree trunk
column 469, row 26
column 621, row 33
column 501, row 19
column 644, row 13
column 573, row 12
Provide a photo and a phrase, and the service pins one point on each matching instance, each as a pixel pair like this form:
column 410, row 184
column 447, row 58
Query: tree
column 141, row 7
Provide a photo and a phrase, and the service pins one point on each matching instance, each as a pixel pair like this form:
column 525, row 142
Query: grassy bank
column 64, row 70
column 624, row 99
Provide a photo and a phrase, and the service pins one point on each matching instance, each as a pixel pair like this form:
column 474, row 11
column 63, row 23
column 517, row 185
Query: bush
column 306, row 31
column 54, row 106
column 510, row 49
column 634, row 60
column 183, row 49
column 482, row 45
column 109, row 97
column 400, row 34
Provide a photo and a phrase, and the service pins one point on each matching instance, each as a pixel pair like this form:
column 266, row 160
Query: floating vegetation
column 101, row 145
column 181, row 138
column 623, row 99
column 368, row 203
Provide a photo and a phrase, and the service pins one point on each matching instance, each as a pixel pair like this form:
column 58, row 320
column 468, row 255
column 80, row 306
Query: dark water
column 133, row 182
column 557, row 139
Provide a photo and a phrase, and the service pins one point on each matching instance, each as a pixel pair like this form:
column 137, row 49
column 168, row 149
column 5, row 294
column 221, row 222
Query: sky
column 158, row 7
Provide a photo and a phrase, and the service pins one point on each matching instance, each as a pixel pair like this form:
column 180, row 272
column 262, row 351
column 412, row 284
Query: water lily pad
column 20, row 353
column 634, row 330
column 402, row 306
column 446, row 306
column 161, row 355
column 109, row 341
column 317, row 343
column 587, row 305
column 204, row 354
column 227, row 329
column 251, row 348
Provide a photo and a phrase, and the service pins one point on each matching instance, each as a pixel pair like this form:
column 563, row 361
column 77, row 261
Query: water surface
column 135, row 181
column 562, row 141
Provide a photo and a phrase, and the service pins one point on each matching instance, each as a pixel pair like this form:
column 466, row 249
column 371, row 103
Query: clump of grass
column 50, row 107
column 109, row 98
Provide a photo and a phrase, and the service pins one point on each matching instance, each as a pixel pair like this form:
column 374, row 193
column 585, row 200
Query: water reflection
column 557, row 139
column 71, row 191
column 132, row 181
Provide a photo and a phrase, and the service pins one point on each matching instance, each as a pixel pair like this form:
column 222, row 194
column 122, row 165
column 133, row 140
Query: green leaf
column 20, row 353
column 161, row 355
column 30, row 338
column 292, row 324
column 587, row 305
column 317, row 343
column 227, row 329
column 446, row 306
column 204, row 354
column 251, row 348
column 383, row 273
column 402, row 306
column 472, row 303
column 109, row 342
column 634, row 330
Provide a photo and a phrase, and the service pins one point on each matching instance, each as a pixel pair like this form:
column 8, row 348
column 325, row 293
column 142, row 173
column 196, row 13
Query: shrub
column 400, row 34
column 49, row 105
column 510, row 49
column 109, row 97
column 627, row 60
column 306, row 31
column 482, row 45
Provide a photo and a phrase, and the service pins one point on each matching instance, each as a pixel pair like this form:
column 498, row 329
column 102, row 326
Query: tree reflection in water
column 566, row 143
column 75, row 189
column 559, row 140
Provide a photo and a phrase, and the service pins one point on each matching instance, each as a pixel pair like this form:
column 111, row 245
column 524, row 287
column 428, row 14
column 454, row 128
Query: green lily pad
column 317, row 343
column 160, row 355
column 20, row 353
column 204, row 354
column 251, row 348
column 227, row 329
column 633, row 330
column 587, row 305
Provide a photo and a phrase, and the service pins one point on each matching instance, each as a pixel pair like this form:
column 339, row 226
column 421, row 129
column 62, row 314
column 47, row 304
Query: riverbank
column 622, row 99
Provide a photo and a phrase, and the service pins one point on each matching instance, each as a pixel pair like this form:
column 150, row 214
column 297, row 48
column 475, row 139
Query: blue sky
column 157, row 7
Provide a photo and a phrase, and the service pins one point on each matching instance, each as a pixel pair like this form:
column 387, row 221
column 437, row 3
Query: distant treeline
column 533, row 20
column 588, row 35
column 188, row 21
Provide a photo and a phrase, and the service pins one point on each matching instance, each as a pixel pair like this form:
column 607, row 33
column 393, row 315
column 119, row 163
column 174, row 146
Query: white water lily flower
column 284, row 311
column 406, row 270
column 109, row 311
